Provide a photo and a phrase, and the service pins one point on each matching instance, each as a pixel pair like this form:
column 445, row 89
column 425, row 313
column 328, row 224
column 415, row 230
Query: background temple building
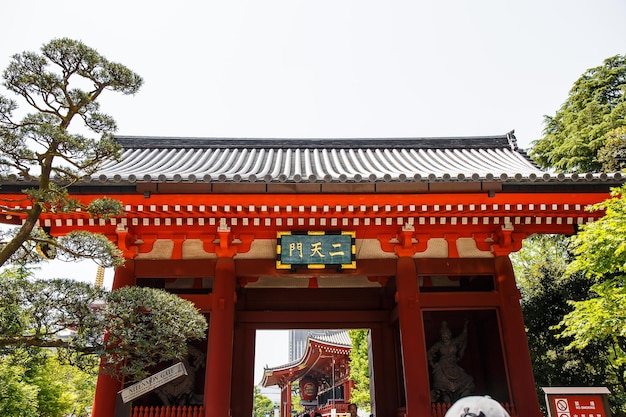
column 322, row 373
column 298, row 341
column 409, row 238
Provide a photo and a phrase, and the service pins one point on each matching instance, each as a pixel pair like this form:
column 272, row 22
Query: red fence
column 439, row 409
column 168, row 411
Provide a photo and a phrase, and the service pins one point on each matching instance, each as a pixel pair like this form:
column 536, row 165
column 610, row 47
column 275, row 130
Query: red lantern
column 308, row 389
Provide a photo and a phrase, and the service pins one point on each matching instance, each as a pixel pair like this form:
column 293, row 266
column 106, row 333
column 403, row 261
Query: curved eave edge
column 616, row 177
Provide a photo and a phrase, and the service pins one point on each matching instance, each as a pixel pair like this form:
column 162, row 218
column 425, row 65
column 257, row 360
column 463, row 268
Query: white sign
column 152, row 382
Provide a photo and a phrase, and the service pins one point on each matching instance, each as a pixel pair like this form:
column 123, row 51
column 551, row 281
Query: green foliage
column 581, row 135
column 600, row 251
column 295, row 398
column 39, row 385
column 574, row 307
column 58, row 393
column 80, row 245
column 574, row 304
column 37, row 312
column 600, row 247
column 144, row 326
column 359, row 368
column 105, row 208
column 17, row 397
column 263, row 406
column 59, row 85
column 540, row 270
column 613, row 155
column 75, row 246
column 541, row 257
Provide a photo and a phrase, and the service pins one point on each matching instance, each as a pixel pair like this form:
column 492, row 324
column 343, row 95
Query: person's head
column 352, row 409
column 479, row 406
column 445, row 332
column 317, row 414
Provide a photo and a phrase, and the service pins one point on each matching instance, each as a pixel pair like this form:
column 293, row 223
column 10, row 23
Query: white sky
column 321, row 68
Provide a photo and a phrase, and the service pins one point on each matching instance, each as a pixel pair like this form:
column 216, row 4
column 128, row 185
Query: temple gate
column 432, row 221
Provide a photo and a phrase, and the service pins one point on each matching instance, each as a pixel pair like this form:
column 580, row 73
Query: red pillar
column 412, row 339
column 285, row 400
column 517, row 353
column 108, row 386
column 218, row 377
column 383, row 379
column 242, row 402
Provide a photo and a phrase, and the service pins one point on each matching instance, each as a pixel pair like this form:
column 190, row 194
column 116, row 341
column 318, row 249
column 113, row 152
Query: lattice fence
column 439, row 409
column 168, row 411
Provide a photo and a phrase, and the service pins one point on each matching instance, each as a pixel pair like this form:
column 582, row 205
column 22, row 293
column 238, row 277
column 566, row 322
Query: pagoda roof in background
column 315, row 361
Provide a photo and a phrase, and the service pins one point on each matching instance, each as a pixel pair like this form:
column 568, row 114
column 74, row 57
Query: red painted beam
column 203, row 302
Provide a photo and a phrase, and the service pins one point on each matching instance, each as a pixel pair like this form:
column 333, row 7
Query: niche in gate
column 465, row 354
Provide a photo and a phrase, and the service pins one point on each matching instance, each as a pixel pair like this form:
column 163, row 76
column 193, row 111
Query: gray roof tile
column 320, row 160
column 223, row 160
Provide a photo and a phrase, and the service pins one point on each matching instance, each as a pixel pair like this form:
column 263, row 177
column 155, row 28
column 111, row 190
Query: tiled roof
column 221, row 160
column 341, row 338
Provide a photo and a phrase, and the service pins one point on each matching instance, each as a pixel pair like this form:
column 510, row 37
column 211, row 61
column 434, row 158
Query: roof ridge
column 460, row 142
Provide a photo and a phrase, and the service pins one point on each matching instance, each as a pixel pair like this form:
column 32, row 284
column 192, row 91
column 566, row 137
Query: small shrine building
column 322, row 373
column 409, row 238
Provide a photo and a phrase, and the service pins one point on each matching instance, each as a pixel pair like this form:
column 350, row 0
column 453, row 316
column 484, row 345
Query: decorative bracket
column 507, row 241
column 406, row 243
column 227, row 246
column 126, row 241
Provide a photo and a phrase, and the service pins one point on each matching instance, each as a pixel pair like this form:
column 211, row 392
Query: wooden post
column 217, row 383
column 107, row 386
column 242, row 403
column 384, row 381
column 417, row 392
column 521, row 377
column 285, row 399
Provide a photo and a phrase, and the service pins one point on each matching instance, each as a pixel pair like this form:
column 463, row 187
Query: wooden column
column 217, row 385
column 242, row 402
column 412, row 338
column 108, row 386
column 521, row 377
column 285, row 400
column 384, row 381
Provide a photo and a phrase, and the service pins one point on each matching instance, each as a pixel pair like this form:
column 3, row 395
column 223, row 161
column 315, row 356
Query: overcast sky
column 321, row 68
column 289, row 68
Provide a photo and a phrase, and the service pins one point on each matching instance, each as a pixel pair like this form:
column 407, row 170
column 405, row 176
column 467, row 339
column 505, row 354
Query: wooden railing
column 440, row 409
column 168, row 411
column 340, row 408
column 436, row 410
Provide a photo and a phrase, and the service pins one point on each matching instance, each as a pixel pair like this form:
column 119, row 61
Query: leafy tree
column 613, row 155
column 36, row 383
column 359, row 368
column 59, row 85
column 17, row 397
column 295, row 397
column 540, row 270
column 62, row 389
column 586, row 134
column 263, row 406
column 600, row 250
column 144, row 326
